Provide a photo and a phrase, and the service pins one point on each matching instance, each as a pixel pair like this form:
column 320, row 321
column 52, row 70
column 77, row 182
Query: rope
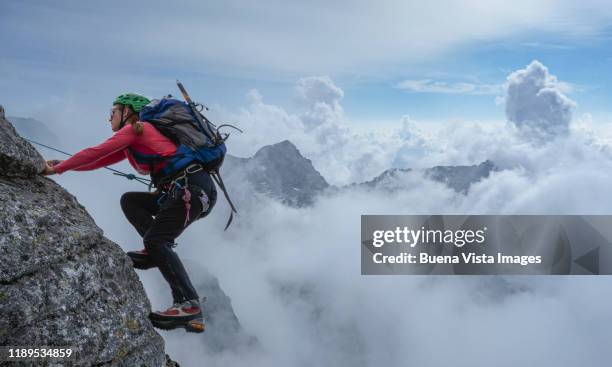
column 129, row 176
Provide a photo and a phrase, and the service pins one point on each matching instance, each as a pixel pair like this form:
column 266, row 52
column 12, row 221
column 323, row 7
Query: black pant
column 160, row 218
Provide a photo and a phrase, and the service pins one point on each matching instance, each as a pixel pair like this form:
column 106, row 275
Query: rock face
column 61, row 282
column 17, row 157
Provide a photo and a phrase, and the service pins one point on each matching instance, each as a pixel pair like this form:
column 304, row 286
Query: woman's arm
column 113, row 158
column 109, row 152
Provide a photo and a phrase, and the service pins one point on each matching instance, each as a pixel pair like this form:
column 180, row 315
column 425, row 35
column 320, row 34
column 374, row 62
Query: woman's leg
column 139, row 209
column 168, row 224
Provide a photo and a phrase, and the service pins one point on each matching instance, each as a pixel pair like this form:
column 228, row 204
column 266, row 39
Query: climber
column 161, row 216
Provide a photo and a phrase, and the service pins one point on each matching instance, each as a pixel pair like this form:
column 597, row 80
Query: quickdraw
column 176, row 185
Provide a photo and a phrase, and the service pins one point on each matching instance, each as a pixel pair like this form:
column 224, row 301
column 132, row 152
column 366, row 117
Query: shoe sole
column 192, row 326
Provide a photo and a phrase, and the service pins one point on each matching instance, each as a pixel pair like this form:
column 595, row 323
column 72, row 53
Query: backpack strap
column 148, row 159
column 175, row 162
column 216, row 176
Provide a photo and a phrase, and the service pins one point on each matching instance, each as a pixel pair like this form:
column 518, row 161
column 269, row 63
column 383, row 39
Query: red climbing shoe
column 187, row 315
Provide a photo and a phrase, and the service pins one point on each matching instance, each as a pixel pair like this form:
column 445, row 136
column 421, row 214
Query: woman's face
column 116, row 116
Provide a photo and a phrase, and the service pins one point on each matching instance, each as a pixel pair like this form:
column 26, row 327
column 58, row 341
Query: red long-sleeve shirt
column 115, row 149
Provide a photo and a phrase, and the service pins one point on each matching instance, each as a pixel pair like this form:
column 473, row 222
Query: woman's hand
column 49, row 169
column 54, row 162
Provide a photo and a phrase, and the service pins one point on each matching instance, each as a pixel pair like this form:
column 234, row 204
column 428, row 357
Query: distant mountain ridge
column 458, row 178
column 280, row 171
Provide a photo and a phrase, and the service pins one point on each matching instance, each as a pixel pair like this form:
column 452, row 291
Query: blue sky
column 87, row 53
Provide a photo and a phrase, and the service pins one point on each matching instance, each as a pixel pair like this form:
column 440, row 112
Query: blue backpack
column 198, row 141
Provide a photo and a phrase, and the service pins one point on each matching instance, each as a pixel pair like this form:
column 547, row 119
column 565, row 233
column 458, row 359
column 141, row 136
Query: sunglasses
column 113, row 110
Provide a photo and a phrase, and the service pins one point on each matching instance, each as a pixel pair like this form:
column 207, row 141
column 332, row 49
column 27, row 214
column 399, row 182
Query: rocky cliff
column 62, row 283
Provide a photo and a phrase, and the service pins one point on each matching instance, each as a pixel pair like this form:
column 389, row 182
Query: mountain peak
column 460, row 178
column 284, row 147
column 280, row 171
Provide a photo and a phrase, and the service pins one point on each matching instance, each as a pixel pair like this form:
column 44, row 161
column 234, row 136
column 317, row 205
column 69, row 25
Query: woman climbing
column 161, row 216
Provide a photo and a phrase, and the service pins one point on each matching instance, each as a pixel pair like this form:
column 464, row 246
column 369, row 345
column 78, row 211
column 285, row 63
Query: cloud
column 317, row 89
column 270, row 40
column 320, row 130
column 324, row 117
column 536, row 105
column 545, row 45
column 434, row 86
column 412, row 145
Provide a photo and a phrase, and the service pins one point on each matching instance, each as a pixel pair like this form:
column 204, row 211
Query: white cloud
column 412, row 145
column 324, row 134
column 320, row 130
column 536, row 104
column 536, row 107
column 435, row 86
column 314, row 89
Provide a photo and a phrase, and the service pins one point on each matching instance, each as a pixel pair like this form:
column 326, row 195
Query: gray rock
column 17, row 156
column 61, row 282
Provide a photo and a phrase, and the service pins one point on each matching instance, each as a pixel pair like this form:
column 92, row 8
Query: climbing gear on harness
column 181, row 182
column 187, row 201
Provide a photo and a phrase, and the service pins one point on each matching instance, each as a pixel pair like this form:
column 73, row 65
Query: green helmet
column 135, row 101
